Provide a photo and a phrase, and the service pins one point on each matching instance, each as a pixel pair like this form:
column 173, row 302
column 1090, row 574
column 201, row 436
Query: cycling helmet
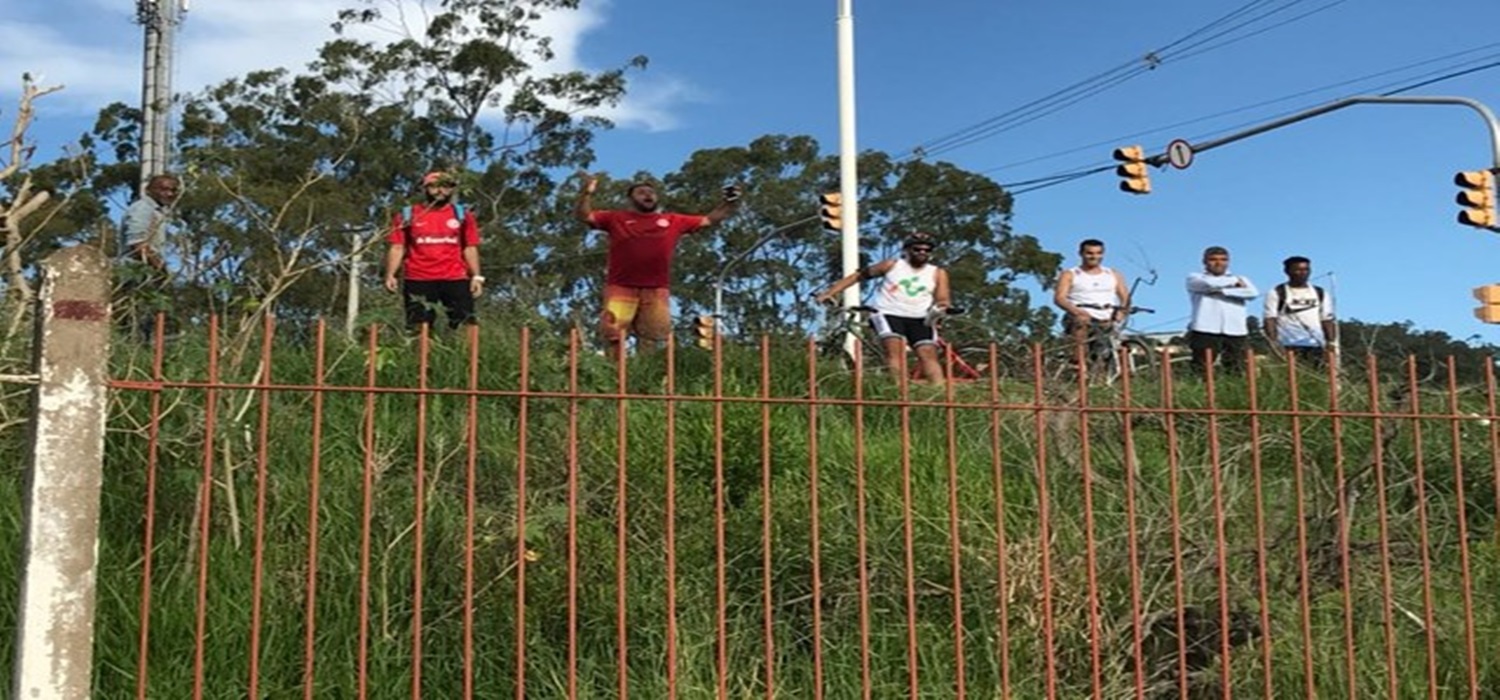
column 919, row 238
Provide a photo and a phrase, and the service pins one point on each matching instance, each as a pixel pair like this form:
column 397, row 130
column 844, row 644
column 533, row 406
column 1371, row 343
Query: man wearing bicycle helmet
column 639, row 259
column 433, row 259
column 910, row 289
column 1092, row 294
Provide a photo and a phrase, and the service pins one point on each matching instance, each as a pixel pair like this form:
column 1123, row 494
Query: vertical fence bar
column 861, row 532
column 1044, row 519
column 622, row 526
column 523, row 430
column 419, row 512
column 721, row 583
column 1492, row 419
column 471, row 486
column 262, row 476
column 1304, row 592
column 573, row 466
column 813, row 475
column 205, row 502
column 768, row 599
column 1262, row 576
column 954, row 539
column 1460, row 497
column 1387, row 597
column 1174, row 493
column 1132, row 545
column 148, row 549
column 367, row 514
column 54, row 634
column 1419, row 469
column 997, row 469
column 1090, row 554
column 671, row 517
column 1345, row 523
column 1216, row 476
column 908, row 529
column 314, row 500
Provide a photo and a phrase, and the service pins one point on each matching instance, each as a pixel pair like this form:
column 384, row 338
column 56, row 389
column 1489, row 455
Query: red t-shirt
column 641, row 244
column 435, row 244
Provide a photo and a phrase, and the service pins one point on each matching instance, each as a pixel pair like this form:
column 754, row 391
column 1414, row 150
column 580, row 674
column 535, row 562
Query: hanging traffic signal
column 1489, row 303
column 1476, row 194
column 705, row 327
column 1133, row 169
column 831, row 210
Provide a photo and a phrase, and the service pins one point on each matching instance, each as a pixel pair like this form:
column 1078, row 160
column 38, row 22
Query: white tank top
column 906, row 291
column 1094, row 293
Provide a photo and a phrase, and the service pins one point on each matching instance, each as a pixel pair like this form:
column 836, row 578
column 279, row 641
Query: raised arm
column 727, row 207
column 853, row 278
column 583, row 210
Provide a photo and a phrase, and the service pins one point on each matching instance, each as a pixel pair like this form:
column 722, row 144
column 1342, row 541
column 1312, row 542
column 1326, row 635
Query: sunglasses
column 920, row 249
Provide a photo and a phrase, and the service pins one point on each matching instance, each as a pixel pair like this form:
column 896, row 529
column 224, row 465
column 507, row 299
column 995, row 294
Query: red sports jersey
column 435, row 241
column 641, row 245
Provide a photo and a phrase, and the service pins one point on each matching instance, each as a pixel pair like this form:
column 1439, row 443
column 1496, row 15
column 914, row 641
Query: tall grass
column 1078, row 446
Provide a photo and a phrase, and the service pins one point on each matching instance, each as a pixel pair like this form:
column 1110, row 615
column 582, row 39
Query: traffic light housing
column 1133, row 169
column 1489, row 303
column 1476, row 194
column 706, row 328
column 831, row 210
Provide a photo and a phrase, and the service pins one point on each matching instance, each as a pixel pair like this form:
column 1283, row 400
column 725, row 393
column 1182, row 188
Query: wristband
column 477, row 278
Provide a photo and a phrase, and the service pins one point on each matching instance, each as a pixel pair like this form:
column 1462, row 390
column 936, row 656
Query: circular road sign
column 1180, row 154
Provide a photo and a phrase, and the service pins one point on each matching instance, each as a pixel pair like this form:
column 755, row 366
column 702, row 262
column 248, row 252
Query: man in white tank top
column 1091, row 294
column 910, row 288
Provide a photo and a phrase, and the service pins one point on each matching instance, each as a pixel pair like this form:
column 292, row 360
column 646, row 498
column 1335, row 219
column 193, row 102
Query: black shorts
column 422, row 297
column 915, row 330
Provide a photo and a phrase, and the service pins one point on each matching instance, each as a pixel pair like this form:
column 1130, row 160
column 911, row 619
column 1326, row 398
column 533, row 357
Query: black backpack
column 1281, row 298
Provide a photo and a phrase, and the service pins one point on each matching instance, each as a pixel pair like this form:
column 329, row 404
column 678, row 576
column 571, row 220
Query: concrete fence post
column 55, row 634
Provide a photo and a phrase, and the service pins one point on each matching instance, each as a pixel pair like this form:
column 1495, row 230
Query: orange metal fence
column 440, row 518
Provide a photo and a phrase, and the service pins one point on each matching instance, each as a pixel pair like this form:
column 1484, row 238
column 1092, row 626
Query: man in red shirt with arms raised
column 438, row 242
column 638, row 274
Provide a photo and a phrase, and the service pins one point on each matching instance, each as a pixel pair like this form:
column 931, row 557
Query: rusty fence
column 289, row 514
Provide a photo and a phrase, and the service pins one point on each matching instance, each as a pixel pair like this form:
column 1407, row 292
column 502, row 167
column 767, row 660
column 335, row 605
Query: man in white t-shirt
column 911, row 288
column 1299, row 316
column 1091, row 294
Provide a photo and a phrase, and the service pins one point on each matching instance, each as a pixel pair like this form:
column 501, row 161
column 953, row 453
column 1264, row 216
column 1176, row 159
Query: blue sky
column 1366, row 192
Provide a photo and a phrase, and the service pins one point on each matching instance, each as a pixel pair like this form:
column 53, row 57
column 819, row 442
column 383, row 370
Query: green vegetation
column 678, row 439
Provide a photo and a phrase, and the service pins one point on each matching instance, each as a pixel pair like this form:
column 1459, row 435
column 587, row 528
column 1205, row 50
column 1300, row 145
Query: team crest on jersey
column 663, row 223
column 453, row 223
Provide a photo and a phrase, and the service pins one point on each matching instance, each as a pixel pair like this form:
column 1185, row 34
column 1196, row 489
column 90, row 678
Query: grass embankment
column 678, row 440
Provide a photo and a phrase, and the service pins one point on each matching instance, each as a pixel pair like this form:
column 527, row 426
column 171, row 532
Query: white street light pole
column 848, row 154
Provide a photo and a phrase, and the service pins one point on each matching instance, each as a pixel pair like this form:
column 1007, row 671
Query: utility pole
column 160, row 19
column 848, row 157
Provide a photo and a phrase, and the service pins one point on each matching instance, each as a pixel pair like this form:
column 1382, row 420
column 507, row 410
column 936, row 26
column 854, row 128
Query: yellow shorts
column 645, row 312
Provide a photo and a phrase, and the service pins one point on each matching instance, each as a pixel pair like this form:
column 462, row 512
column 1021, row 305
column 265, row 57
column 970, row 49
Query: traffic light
column 831, row 210
column 1476, row 194
column 1489, row 303
column 706, row 327
column 1133, row 168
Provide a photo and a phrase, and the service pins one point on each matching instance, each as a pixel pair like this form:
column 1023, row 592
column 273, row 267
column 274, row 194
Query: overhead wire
column 1090, row 87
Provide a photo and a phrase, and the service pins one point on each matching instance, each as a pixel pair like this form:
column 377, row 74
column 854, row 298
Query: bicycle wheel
column 1140, row 359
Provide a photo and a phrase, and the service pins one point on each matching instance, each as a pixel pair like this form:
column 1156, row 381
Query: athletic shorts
column 915, row 331
column 645, row 312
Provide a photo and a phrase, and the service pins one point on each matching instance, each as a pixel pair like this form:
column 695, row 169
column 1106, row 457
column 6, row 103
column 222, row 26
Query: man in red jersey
column 436, row 246
column 638, row 274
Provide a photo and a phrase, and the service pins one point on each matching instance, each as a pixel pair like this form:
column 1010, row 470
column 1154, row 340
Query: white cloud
column 93, row 48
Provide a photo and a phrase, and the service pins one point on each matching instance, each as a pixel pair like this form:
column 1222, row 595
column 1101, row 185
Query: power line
column 1265, row 103
column 1089, row 87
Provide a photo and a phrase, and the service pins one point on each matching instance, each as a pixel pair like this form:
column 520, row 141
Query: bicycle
column 853, row 321
column 1107, row 345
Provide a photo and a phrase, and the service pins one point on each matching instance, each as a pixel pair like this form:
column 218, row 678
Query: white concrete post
column 55, row 634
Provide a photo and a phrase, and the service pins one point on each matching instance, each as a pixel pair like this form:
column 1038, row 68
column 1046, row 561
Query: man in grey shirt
column 144, row 227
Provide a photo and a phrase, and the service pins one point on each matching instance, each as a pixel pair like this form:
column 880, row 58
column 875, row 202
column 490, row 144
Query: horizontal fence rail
column 503, row 514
